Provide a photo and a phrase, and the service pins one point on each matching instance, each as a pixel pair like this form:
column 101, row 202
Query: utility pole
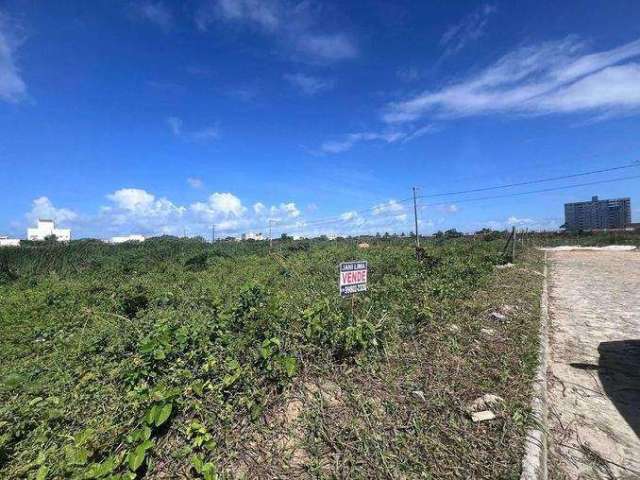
column 270, row 237
column 213, row 233
column 415, row 214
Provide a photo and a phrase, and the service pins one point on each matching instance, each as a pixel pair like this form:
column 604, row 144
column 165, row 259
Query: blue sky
column 154, row 117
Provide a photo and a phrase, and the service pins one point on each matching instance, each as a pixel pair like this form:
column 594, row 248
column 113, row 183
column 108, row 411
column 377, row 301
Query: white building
column 9, row 242
column 128, row 238
column 252, row 236
column 45, row 229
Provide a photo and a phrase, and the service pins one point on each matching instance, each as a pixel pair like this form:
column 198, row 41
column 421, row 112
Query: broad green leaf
column 84, row 436
column 151, row 415
column 137, row 457
column 198, row 387
column 42, row 473
column 197, row 463
column 159, row 354
column 229, row 380
column 76, row 455
column 290, row 365
column 146, row 445
column 209, row 471
column 163, row 414
column 147, row 346
column 98, row 470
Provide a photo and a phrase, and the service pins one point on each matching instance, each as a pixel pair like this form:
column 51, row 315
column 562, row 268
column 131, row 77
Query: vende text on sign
column 353, row 277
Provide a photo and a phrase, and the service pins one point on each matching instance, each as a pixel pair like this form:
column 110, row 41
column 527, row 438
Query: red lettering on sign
column 353, row 277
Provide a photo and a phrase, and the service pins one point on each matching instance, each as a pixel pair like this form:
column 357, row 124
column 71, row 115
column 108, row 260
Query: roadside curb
column 534, row 463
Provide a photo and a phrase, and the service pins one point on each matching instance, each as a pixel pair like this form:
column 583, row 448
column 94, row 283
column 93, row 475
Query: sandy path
column 594, row 364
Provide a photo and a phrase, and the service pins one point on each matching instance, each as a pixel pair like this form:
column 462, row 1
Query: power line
column 544, row 190
column 490, row 197
column 531, row 182
column 382, row 204
column 391, row 213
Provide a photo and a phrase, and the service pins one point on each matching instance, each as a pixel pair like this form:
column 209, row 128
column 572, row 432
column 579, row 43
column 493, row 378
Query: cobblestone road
column 594, row 364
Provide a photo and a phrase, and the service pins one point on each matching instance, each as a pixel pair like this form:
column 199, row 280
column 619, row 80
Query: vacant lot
column 595, row 363
column 176, row 359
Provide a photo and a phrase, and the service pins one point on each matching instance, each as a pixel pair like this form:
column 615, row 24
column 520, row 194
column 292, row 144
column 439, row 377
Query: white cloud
column 276, row 212
column 219, row 206
column 523, row 222
column 43, row 208
column 351, row 139
column 132, row 199
column 289, row 209
column 327, row 47
column 419, row 132
column 294, row 26
column 155, row 12
column 140, row 209
column 392, row 206
column 175, row 125
column 610, row 88
column 351, row 216
column 227, row 203
column 388, row 215
column 519, row 222
column 135, row 210
column 553, row 77
column 470, row 29
column 264, row 14
column 203, row 135
column 307, row 84
column 195, row 182
column 259, row 208
column 391, row 136
column 452, row 208
column 12, row 87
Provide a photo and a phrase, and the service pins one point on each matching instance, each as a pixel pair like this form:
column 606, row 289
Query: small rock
column 483, row 416
column 453, row 328
column 363, row 245
column 489, row 332
column 498, row 317
column 486, row 401
column 507, row 309
column 506, row 265
column 420, row 395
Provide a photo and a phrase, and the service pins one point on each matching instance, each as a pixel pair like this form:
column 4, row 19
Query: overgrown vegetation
column 175, row 358
column 588, row 239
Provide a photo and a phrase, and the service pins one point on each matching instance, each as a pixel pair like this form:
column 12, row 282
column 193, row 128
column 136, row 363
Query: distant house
column 9, row 242
column 47, row 228
column 127, row 238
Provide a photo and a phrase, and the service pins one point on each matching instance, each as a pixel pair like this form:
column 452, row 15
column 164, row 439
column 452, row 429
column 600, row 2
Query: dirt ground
column 594, row 364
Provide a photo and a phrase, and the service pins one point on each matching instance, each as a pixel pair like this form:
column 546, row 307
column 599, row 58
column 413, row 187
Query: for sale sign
column 353, row 277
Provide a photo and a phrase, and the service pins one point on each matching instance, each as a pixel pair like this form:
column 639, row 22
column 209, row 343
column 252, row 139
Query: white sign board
column 353, row 277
